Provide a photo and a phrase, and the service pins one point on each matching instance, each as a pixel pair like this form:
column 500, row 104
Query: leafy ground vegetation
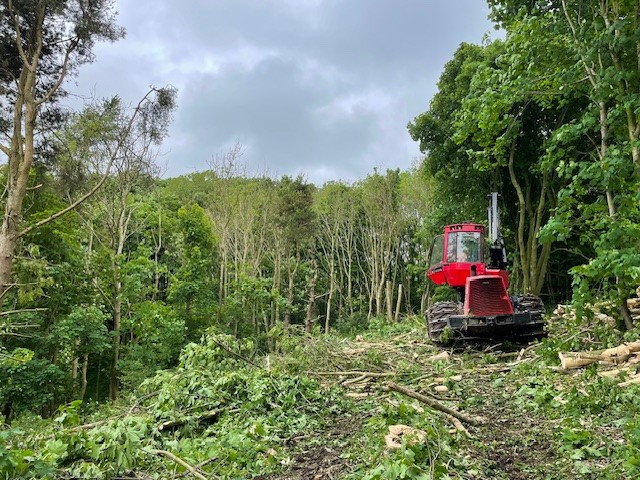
column 321, row 408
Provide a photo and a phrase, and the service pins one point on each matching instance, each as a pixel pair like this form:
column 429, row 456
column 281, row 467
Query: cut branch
column 356, row 373
column 176, row 459
column 433, row 403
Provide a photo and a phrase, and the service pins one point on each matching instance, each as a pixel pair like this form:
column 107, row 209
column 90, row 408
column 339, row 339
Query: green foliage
column 18, row 462
column 82, row 331
column 352, row 324
column 248, row 307
column 431, row 458
column 157, row 337
column 192, row 285
column 28, row 383
column 217, row 405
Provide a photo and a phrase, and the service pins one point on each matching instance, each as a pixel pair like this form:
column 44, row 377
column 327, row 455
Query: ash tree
column 42, row 42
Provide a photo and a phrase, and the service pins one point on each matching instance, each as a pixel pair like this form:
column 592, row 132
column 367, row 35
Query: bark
column 436, row 405
column 389, row 302
column 311, row 302
column 522, row 211
column 398, row 303
column 85, row 368
column 625, row 313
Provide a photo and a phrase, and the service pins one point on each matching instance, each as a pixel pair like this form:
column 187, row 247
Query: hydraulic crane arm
column 497, row 251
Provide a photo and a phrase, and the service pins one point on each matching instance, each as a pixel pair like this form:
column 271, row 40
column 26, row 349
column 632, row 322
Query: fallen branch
column 458, row 425
column 176, row 459
column 433, row 403
column 211, row 414
column 356, row 372
column 354, row 380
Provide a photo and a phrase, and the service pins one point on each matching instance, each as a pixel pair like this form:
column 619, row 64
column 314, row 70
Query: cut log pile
column 625, row 353
column 625, row 358
column 566, row 312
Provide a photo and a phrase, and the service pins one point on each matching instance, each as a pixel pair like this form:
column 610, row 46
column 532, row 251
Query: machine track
column 439, row 313
column 534, row 305
column 437, row 316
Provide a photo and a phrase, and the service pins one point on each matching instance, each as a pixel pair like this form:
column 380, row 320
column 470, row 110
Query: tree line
column 107, row 271
column 550, row 117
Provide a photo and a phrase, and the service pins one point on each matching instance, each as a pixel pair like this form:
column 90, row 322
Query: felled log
column 433, row 403
column 612, row 356
column 631, row 381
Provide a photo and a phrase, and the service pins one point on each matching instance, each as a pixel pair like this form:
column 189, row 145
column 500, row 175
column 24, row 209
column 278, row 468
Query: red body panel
column 486, row 296
column 485, row 289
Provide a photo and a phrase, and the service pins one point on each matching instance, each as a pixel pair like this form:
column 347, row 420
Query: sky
column 319, row 88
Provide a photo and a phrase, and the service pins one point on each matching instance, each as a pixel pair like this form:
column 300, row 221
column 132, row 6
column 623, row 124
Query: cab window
column 464, row 247
column 437, row 251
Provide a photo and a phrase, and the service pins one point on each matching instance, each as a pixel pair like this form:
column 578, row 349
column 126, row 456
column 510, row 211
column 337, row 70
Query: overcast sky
column 323, row 88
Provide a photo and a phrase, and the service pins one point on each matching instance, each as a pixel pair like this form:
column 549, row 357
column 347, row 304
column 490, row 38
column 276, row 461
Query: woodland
column 228, row 324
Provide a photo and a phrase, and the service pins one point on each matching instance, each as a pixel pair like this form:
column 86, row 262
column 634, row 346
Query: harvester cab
column 483, row 310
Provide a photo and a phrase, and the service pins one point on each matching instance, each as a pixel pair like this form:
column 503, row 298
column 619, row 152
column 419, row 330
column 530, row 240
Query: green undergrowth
column 230, row 412
column 218, row 406
column 592, row 421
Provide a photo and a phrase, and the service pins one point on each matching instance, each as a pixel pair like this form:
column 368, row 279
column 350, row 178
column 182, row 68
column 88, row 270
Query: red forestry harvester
column 484, row 309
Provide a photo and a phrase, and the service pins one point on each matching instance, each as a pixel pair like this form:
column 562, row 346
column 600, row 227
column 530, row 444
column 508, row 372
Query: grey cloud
column 323, row 87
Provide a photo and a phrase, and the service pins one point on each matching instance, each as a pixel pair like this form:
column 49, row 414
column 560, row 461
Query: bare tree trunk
column 312, row 299
column 117, row 320
column 85, row 368
column 398, row 303
column 389, row 302
column 332, row 281
column 522, row 250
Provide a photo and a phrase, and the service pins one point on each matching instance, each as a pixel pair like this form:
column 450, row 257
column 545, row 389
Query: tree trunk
column 19, row 165
column 290, row 291
column 389, row 301
column 85, row 368
column 327, row 318
column 311, row 301
column 117, row 320
column 398, row 303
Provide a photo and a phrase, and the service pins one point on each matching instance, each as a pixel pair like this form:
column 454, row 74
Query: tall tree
column 597, row 152
column 382, row 227
column 459, row 189
column 297, row 223
column 123, row 155
column 42, row 42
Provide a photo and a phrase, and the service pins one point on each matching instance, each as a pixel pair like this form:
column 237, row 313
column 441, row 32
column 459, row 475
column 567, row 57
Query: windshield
column 437, row 251
column 464, row 247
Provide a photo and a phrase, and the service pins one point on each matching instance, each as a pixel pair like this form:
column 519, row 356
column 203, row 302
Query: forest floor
column 541, row 422
column 384, row 403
